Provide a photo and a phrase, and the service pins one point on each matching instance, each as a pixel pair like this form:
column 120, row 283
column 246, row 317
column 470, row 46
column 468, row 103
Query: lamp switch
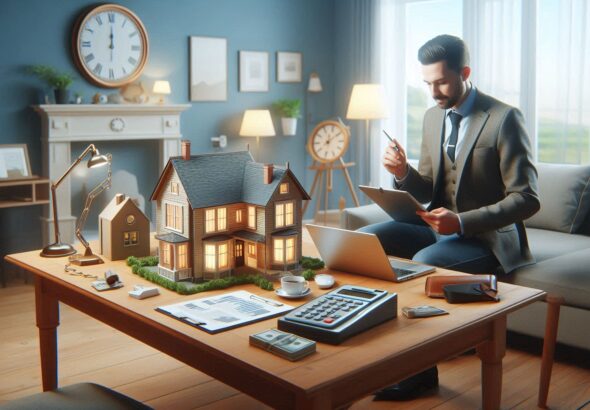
column 219, row 142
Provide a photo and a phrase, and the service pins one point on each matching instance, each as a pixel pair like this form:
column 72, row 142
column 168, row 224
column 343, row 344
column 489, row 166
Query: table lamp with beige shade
column 161, row 88
column 367, row 102
column 257, row 123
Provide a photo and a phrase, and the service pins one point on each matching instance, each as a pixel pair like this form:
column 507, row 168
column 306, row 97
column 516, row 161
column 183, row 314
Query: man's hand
column 442, row 220
column 394, row 159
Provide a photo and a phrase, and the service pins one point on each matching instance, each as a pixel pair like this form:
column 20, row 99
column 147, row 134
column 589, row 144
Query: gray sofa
column 559, row 238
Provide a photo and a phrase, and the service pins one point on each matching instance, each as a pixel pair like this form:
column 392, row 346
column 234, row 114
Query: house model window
column 284, row 250
column 239, row 216
column 165, row 255
column 216, row 257
column 252, row 217
column 215, row 220
column 130, row 219
column 130, row 238
column 174, row 188
column 284, row 214
column 182, row 262
column 284, row 188
column 174, row 217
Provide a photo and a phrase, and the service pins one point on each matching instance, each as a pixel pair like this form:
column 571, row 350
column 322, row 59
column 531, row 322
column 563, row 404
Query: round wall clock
column 328, row 141
column 110, row 45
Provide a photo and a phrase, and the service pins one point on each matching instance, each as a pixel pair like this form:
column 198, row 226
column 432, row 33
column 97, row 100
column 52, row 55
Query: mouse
column 324, row 281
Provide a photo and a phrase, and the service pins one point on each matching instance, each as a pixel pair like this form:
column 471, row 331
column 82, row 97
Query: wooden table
column 333, row 377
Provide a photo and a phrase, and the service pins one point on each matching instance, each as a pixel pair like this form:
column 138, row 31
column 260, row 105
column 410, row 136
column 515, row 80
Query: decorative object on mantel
column 208, row 69
column 257, row 123
column 289, row 110
column 59, row 82
column 110, row 45
column 99, row 98
column 14, row 162
column 289, row 67
column 134, row 93
column 58, row 248
column 162, row 88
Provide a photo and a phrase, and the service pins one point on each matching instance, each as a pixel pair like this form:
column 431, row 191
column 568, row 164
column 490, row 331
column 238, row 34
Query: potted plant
column 56, row 80
column 289, row 110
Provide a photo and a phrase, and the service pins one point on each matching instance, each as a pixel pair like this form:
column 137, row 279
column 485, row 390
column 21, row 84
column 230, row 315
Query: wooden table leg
column 551, row 324
column 491, row 354
column 47, row 313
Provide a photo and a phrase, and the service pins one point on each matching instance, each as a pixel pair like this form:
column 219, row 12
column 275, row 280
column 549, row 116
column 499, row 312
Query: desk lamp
column 367, row 102
column 58, row 248
column 257, row 123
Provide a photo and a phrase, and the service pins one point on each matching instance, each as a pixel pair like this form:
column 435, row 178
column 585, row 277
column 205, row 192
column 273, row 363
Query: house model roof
column 225, row 178
column 113, row 208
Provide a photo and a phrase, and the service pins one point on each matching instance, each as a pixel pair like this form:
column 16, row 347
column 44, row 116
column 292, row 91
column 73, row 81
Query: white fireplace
column 64, row 124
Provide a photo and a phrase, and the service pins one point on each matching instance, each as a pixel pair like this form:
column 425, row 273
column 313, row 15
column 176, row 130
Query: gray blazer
column 496, row 179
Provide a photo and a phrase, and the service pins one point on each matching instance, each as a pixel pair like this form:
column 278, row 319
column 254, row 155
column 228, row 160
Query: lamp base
column 85, row 260
column 57, row 250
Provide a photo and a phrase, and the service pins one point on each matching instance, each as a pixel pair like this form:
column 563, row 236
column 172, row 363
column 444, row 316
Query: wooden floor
column 91, row 351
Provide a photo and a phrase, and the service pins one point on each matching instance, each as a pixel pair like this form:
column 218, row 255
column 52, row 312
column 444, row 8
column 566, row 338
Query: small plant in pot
column 289, row 111
column 56, row 80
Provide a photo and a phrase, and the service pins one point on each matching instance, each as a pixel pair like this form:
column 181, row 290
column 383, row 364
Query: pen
column 395, row 147
column 268, row 302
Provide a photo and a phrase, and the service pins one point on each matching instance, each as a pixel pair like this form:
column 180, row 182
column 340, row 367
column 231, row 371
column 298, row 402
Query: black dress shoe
column 411, row 387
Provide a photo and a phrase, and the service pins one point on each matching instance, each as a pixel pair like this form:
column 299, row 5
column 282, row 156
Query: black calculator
column 344, row 312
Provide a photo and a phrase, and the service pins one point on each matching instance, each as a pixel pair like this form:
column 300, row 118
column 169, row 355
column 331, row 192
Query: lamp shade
column 314, row 85
column 161, row 87
column 257, row 123
column 367, row 102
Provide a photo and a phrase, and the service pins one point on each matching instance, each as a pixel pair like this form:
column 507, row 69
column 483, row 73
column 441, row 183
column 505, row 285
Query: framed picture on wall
column 289, row 67
column 208, row 69
column 14, row 162
column 253, row 71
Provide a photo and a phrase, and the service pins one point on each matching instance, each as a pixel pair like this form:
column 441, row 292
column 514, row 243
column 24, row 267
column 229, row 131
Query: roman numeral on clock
column 86, row 44
column 88, row 58
column 97, row 69
column 111, row 74
column 111, row 17
column 98, row 20
column 132, row 61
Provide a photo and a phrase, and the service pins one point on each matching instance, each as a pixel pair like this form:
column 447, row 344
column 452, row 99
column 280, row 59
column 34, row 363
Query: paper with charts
column 222, row 312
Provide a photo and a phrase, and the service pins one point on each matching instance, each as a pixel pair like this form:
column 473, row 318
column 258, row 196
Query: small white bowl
column 324, row 281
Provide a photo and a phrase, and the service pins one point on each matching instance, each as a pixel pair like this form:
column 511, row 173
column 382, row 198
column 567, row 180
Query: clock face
column 110, row 46
column 328, row 141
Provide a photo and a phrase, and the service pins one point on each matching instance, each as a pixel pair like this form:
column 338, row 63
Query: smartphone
column 422, row 311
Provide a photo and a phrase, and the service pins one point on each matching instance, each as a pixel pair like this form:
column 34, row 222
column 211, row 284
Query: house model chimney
column 119, row 198
column 185, row 149
column 267, row 173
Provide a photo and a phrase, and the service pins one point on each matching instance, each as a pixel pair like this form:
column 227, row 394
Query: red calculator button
column 328, row 320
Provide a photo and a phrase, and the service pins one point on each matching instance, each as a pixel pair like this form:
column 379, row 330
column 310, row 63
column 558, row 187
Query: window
column 130, row 219
column 216, row 256
column 174, row 188
column 252, row 217
column 284, row 214
column 239, row 216
column 215, row 220
column 284, row 188
column 174, row 217
column 130, row 238
column 251, row 250
column 165, row 254
column 284, row 250
column 182, row 262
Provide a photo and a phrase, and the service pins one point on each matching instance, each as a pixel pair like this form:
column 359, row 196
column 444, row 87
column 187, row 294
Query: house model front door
column 239, row 252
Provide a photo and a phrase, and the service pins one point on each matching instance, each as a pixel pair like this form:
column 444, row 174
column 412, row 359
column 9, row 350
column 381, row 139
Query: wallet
column 469, row 292
column 435, row 284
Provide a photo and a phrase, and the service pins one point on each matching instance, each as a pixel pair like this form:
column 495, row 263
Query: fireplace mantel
column 91, row 123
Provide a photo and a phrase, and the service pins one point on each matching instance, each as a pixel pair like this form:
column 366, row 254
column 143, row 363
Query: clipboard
column 400, row 205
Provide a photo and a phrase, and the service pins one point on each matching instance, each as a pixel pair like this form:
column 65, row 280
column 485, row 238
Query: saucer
column 283, row 294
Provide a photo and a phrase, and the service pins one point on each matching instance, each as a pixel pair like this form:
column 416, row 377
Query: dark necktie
column 455, row 120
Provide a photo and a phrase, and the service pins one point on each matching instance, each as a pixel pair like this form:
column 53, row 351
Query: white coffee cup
column 294, row 285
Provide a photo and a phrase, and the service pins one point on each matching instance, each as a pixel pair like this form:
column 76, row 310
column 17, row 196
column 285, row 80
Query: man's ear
column 465, row 73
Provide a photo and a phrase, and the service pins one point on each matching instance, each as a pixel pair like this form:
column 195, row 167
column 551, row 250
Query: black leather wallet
column 470, row 292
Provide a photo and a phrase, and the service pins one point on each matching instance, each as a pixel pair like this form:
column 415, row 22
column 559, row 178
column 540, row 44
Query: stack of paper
column 286, row 345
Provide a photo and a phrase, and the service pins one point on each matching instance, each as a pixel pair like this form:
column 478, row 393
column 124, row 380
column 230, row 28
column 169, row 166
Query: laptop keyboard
column 403, row 272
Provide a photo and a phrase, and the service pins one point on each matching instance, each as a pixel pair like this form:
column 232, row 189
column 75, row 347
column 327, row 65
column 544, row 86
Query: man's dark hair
column 447, row 48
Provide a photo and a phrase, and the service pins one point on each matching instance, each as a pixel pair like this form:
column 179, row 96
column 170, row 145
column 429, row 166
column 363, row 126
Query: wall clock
column 328, row 141
column 110, row 45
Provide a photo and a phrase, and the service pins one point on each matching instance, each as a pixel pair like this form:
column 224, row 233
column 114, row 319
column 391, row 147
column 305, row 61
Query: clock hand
column 111, row 46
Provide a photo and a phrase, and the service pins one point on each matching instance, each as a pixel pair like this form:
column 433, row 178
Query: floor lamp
column 58, row 248
column 367, row 102
column 257, row 123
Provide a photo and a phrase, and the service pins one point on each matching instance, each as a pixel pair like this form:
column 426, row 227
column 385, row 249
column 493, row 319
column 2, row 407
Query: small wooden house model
column 222, row 213
column 123, row 229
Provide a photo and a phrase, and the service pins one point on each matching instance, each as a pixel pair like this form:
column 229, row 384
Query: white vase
column 289, row 125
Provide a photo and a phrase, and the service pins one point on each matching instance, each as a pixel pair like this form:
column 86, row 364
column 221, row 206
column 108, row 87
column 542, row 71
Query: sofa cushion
column 545, row 244
column 565, row 275
column 565, row 197
column 355, row 218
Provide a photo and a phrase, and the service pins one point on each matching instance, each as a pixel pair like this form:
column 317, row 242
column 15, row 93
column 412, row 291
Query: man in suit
column 476, row 171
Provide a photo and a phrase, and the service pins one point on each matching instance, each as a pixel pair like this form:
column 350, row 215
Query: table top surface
column 351, row 359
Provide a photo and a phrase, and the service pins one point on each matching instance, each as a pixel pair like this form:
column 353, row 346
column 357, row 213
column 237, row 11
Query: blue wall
column 38, row 32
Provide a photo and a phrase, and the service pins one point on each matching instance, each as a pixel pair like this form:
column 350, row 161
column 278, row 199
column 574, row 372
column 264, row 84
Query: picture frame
column 208, row 68
column 14, row 162
column 253, row 71
column 289, row 67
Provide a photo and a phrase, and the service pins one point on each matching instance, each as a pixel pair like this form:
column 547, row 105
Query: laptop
column 362, row 253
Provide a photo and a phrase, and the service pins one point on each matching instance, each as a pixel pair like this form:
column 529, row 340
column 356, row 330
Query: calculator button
column 328, row 320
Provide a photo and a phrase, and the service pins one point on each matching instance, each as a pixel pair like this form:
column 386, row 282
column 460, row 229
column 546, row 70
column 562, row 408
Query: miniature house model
column 222, row 213
column 124, row 230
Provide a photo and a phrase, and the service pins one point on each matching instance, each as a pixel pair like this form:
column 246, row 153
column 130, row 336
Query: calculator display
column 356, row 293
